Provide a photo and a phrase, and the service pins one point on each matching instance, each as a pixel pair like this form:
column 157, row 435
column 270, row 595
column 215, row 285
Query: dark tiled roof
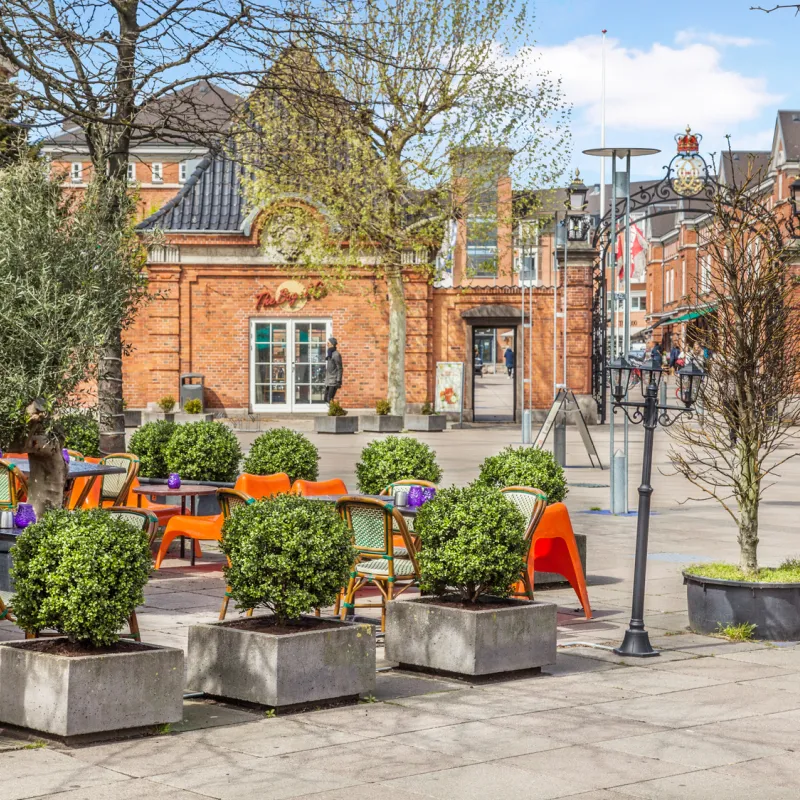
column 744, row 166
column 196, row 113
column 789, row 122
column 211, row 200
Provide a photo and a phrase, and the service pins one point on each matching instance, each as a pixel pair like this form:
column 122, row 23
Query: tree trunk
column 396, row 378
column 748, row 518
column 48, row 470
column 109, row 397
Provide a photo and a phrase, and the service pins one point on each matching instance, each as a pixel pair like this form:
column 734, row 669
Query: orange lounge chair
column 554, row 549
column 316, row 488
column 164, row 511
column 260, row 486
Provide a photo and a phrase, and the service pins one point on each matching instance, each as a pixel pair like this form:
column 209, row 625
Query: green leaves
column 203, row 451
column 149, row 443
column 283, row 450
column 81, row 432
column 289, row 554
column 395, row 458
column 81, row 573
column 525, row 466
column 473, row 542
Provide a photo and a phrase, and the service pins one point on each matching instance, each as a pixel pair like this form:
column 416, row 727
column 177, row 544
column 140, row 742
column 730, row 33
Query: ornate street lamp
column 577, row 192
column 650, row 414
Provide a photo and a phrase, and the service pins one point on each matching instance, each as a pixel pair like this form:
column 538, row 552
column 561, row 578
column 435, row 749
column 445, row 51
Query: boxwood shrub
column 287, row 554
column 472, row 543
column 204, row 451
column 395, row 458
column 525, row 466
column 81, row 573
column 283, row 450
column 149, row 443
column 81, row 432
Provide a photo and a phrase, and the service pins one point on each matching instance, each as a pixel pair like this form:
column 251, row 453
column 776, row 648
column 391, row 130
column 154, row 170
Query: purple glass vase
column 25, row 515
column 65, row 453
column 174, row 480
column 428, row 493
column 415, row 496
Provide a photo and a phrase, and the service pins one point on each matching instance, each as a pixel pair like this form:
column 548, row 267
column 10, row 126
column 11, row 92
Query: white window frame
column 131, row 172
column 705, row 273
column 76, row 172
column 637, row 300
column 183, row 169
column 157, row 167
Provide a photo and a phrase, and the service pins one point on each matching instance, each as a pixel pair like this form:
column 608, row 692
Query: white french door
column 287, row 364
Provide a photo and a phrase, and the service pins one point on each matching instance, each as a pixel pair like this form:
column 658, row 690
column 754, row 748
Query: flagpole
column 603, row 124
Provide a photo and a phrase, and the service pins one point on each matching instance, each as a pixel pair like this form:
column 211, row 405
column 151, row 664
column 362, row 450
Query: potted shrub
column 203, row 451
column 283, row 450
column 382, row 421
column 289, row 555
column 167, row 403
column 525, row 466
column 82, row 573
column 472, row 550
column 395, row 458
column 336, row 421
column 750, row 410
column 426, row 420
column 149, row 443
column 81, row 432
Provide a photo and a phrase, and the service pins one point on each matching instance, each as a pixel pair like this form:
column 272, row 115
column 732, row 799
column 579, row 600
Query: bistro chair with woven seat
column 114, row 489
column 388, row 491
column 373, row 523
column 13, row 485
column 86, row 490
column 229, row 501
column 316, row 488
column 531, row 503
column 260, row 486
column 141, row 520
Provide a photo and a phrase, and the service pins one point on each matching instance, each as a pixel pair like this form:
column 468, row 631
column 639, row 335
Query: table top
column 406, row 511
column 77, row 469
column 184, row 490
column 12, row 531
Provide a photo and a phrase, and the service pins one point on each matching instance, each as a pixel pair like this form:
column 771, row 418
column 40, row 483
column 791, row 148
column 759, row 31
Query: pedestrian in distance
column 333, row 370
column 509, row 357
column 656, row 356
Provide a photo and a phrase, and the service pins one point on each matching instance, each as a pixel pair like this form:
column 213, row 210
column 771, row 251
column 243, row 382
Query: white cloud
column 659, row 89
column 690, row 36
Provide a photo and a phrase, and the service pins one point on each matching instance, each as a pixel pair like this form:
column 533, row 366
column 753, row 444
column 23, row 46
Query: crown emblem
column 688, row 143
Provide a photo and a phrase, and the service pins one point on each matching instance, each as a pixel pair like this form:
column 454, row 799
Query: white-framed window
column 671, row 287
column 638, row 301
column 131, row 172
column 650, row 298
column 157, row 172
column 183, row 169
column 482, row 247
column 528, row 267
column 705, row 272
column 76, row 172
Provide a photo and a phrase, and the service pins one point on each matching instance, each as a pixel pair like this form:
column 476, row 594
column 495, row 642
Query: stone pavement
column 706, row 719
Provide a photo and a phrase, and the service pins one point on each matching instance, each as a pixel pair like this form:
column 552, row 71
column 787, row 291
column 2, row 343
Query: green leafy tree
column 81, row 432
column 389, row 148
column 80, row 572
column 204, row 451
column 150, row 443
column 525, row 466
column 67, row 282
column 395, row 458
column 286, row 554
column 283, row 450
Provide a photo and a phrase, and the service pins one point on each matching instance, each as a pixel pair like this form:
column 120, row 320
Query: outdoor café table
column 406, row 511
column 193, row 491
column 76, row 469
column 7, row 538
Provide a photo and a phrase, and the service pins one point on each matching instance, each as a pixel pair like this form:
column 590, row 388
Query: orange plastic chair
column 260, row 486
column 163, row 511
column 554, row 549
column 316, row 488
column 92, row 500
column 197, row 528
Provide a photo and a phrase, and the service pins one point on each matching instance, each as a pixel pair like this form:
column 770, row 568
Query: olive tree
column 386, row 150
column 68, row 280
column 749, row 399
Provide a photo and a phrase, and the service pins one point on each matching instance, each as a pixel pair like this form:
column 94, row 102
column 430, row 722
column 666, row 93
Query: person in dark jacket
column 656, row 356
column 509, row 357
column 333, row 370
column 674, row 355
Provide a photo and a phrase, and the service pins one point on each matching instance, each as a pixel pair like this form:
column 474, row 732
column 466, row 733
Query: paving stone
column 785, row 657
column 378, row 719
column 643, row 680
column 719, row 669
column 393, row 685
column 32, row 773
column 780, row 730
column 135, row 789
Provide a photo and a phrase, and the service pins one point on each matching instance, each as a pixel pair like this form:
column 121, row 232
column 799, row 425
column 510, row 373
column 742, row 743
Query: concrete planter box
column 382, row 423
column 282, row 671
column 182, row 418
column 426, row 422
column 67, row 696
column 156, row 416
column 335, row 424
column 452, row 640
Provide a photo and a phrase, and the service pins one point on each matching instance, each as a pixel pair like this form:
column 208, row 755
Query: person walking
column 509, row 357
column 656, row 356
column 333, row 370
column 674, row 355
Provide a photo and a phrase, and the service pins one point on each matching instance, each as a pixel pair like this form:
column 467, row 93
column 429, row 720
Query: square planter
column 182, row 418
column 335, row 424
column 74, row 696
column 382, row 423
column 133, row 418
column 449, row 639
column 282, row 670
column 426, row 422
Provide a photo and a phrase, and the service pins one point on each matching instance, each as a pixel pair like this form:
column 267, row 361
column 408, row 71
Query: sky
column 711, row 64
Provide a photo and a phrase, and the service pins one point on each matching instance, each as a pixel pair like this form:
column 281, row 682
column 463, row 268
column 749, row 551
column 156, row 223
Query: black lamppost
column 650, row 414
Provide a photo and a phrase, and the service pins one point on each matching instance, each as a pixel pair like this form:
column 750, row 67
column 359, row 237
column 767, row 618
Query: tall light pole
column 620, row 180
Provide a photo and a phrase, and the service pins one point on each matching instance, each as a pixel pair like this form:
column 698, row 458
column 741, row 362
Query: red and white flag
column 638, row 252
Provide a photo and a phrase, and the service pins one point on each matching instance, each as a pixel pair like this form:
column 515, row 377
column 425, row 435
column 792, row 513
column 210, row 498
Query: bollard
column 526, row 426
column 662, row 400
column 560, row 441
column 619, row 497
